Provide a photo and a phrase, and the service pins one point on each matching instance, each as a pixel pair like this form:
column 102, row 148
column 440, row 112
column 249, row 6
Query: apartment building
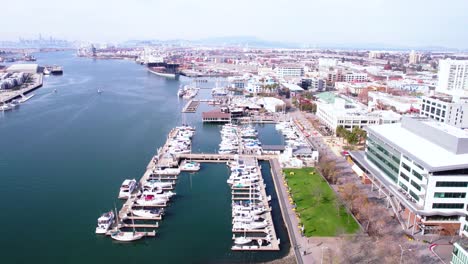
column 290, row 71
column 446, row 109
column 453, row 77
column 423, row 164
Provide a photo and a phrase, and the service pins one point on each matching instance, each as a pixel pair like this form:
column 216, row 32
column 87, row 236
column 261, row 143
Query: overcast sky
column 390, row 22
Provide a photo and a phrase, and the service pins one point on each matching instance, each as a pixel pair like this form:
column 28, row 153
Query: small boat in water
column 180, row 92
column 127, row 188
column 242, row 240
column 105, row 221
column 6, row 107
column 127, row 236
column 189, row 166
column 148, row 213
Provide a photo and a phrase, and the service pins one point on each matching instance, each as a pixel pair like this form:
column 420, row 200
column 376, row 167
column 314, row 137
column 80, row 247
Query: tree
column 352, row 138
column 340, row 131
column 349, row 192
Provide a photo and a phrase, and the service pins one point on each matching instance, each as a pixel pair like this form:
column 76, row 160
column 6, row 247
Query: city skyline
column 321, row 23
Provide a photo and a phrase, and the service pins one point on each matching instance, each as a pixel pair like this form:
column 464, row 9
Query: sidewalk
column 307, row 250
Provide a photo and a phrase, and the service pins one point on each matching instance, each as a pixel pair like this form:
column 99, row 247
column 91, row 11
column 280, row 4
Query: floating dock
column 191, row 106
column 240, row 194
column 163, row 159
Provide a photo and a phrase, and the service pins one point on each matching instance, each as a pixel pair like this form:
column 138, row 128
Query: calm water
column 64, row 155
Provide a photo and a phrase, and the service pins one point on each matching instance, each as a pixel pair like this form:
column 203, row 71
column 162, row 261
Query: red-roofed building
column 216, row 116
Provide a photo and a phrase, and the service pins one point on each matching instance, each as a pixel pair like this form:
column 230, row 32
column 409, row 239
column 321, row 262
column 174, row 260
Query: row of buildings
column 418, row 159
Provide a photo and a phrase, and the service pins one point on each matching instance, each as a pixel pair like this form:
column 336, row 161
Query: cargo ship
column 55, row 70
column 164, row 69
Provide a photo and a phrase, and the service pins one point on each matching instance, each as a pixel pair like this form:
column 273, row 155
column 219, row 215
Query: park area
column 320, row 211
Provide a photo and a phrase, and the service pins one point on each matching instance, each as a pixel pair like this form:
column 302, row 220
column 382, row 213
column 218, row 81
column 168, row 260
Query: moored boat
column 105, row 221
column 127, row 188
column 127, row 236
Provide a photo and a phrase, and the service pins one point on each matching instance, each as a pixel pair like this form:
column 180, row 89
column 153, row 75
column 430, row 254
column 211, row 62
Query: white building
column 453, row 77
column 326, row 63
column 350, row 115
column 400, row 103
column 289, row 71
column 414, row 57
column 423, row 166
column 355, row 77
column 259, row 84
column 26, row 68
column 446, row 109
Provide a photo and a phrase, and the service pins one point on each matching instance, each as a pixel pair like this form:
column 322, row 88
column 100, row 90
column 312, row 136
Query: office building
column 459, row 253
column 343, row 112
column 422, row 166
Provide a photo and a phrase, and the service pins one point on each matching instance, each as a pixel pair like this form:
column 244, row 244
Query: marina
column 124, row 152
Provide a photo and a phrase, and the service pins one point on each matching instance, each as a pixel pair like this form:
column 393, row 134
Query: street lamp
column 321, row 261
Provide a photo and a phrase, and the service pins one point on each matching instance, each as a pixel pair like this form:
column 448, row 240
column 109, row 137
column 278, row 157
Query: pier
column 191, row 106
column 167, row 166
column 272, row 243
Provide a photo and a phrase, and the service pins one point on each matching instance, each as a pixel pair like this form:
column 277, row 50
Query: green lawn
column 316, row 204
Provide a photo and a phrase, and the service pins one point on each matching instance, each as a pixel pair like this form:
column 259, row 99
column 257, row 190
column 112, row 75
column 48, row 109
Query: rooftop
column 435, row 146
column 292, row 87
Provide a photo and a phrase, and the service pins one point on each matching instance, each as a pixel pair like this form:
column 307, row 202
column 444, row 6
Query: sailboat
column 128, row 236
column 99, row 91
column 242, row 240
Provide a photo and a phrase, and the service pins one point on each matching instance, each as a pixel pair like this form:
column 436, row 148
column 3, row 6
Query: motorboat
column 127, row 236
column 180, row 92
column 165, row 195
column 148, row 213
column 167, row 171
column 152, row 184
column 189, row 166
column 127, row 188
column 15, row 103
column 6, row 107
column 104, row 222
column 151, row 200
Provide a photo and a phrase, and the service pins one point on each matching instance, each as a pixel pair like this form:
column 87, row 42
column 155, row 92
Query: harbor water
column 65, row 152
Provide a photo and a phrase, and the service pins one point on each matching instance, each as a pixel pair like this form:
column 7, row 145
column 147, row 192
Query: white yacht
column 149, row 213
column 167, row 171
column 6, row 107
column 105, row 221
column 187, row 165
column 127, row 188
column 156, row 184
column 180, row 92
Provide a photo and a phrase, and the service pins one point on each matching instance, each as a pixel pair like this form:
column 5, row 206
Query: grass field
column 316, row 203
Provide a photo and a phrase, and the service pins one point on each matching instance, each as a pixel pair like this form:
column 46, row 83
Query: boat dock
column 191, row 106
column 163, row 159
column 272, row 242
